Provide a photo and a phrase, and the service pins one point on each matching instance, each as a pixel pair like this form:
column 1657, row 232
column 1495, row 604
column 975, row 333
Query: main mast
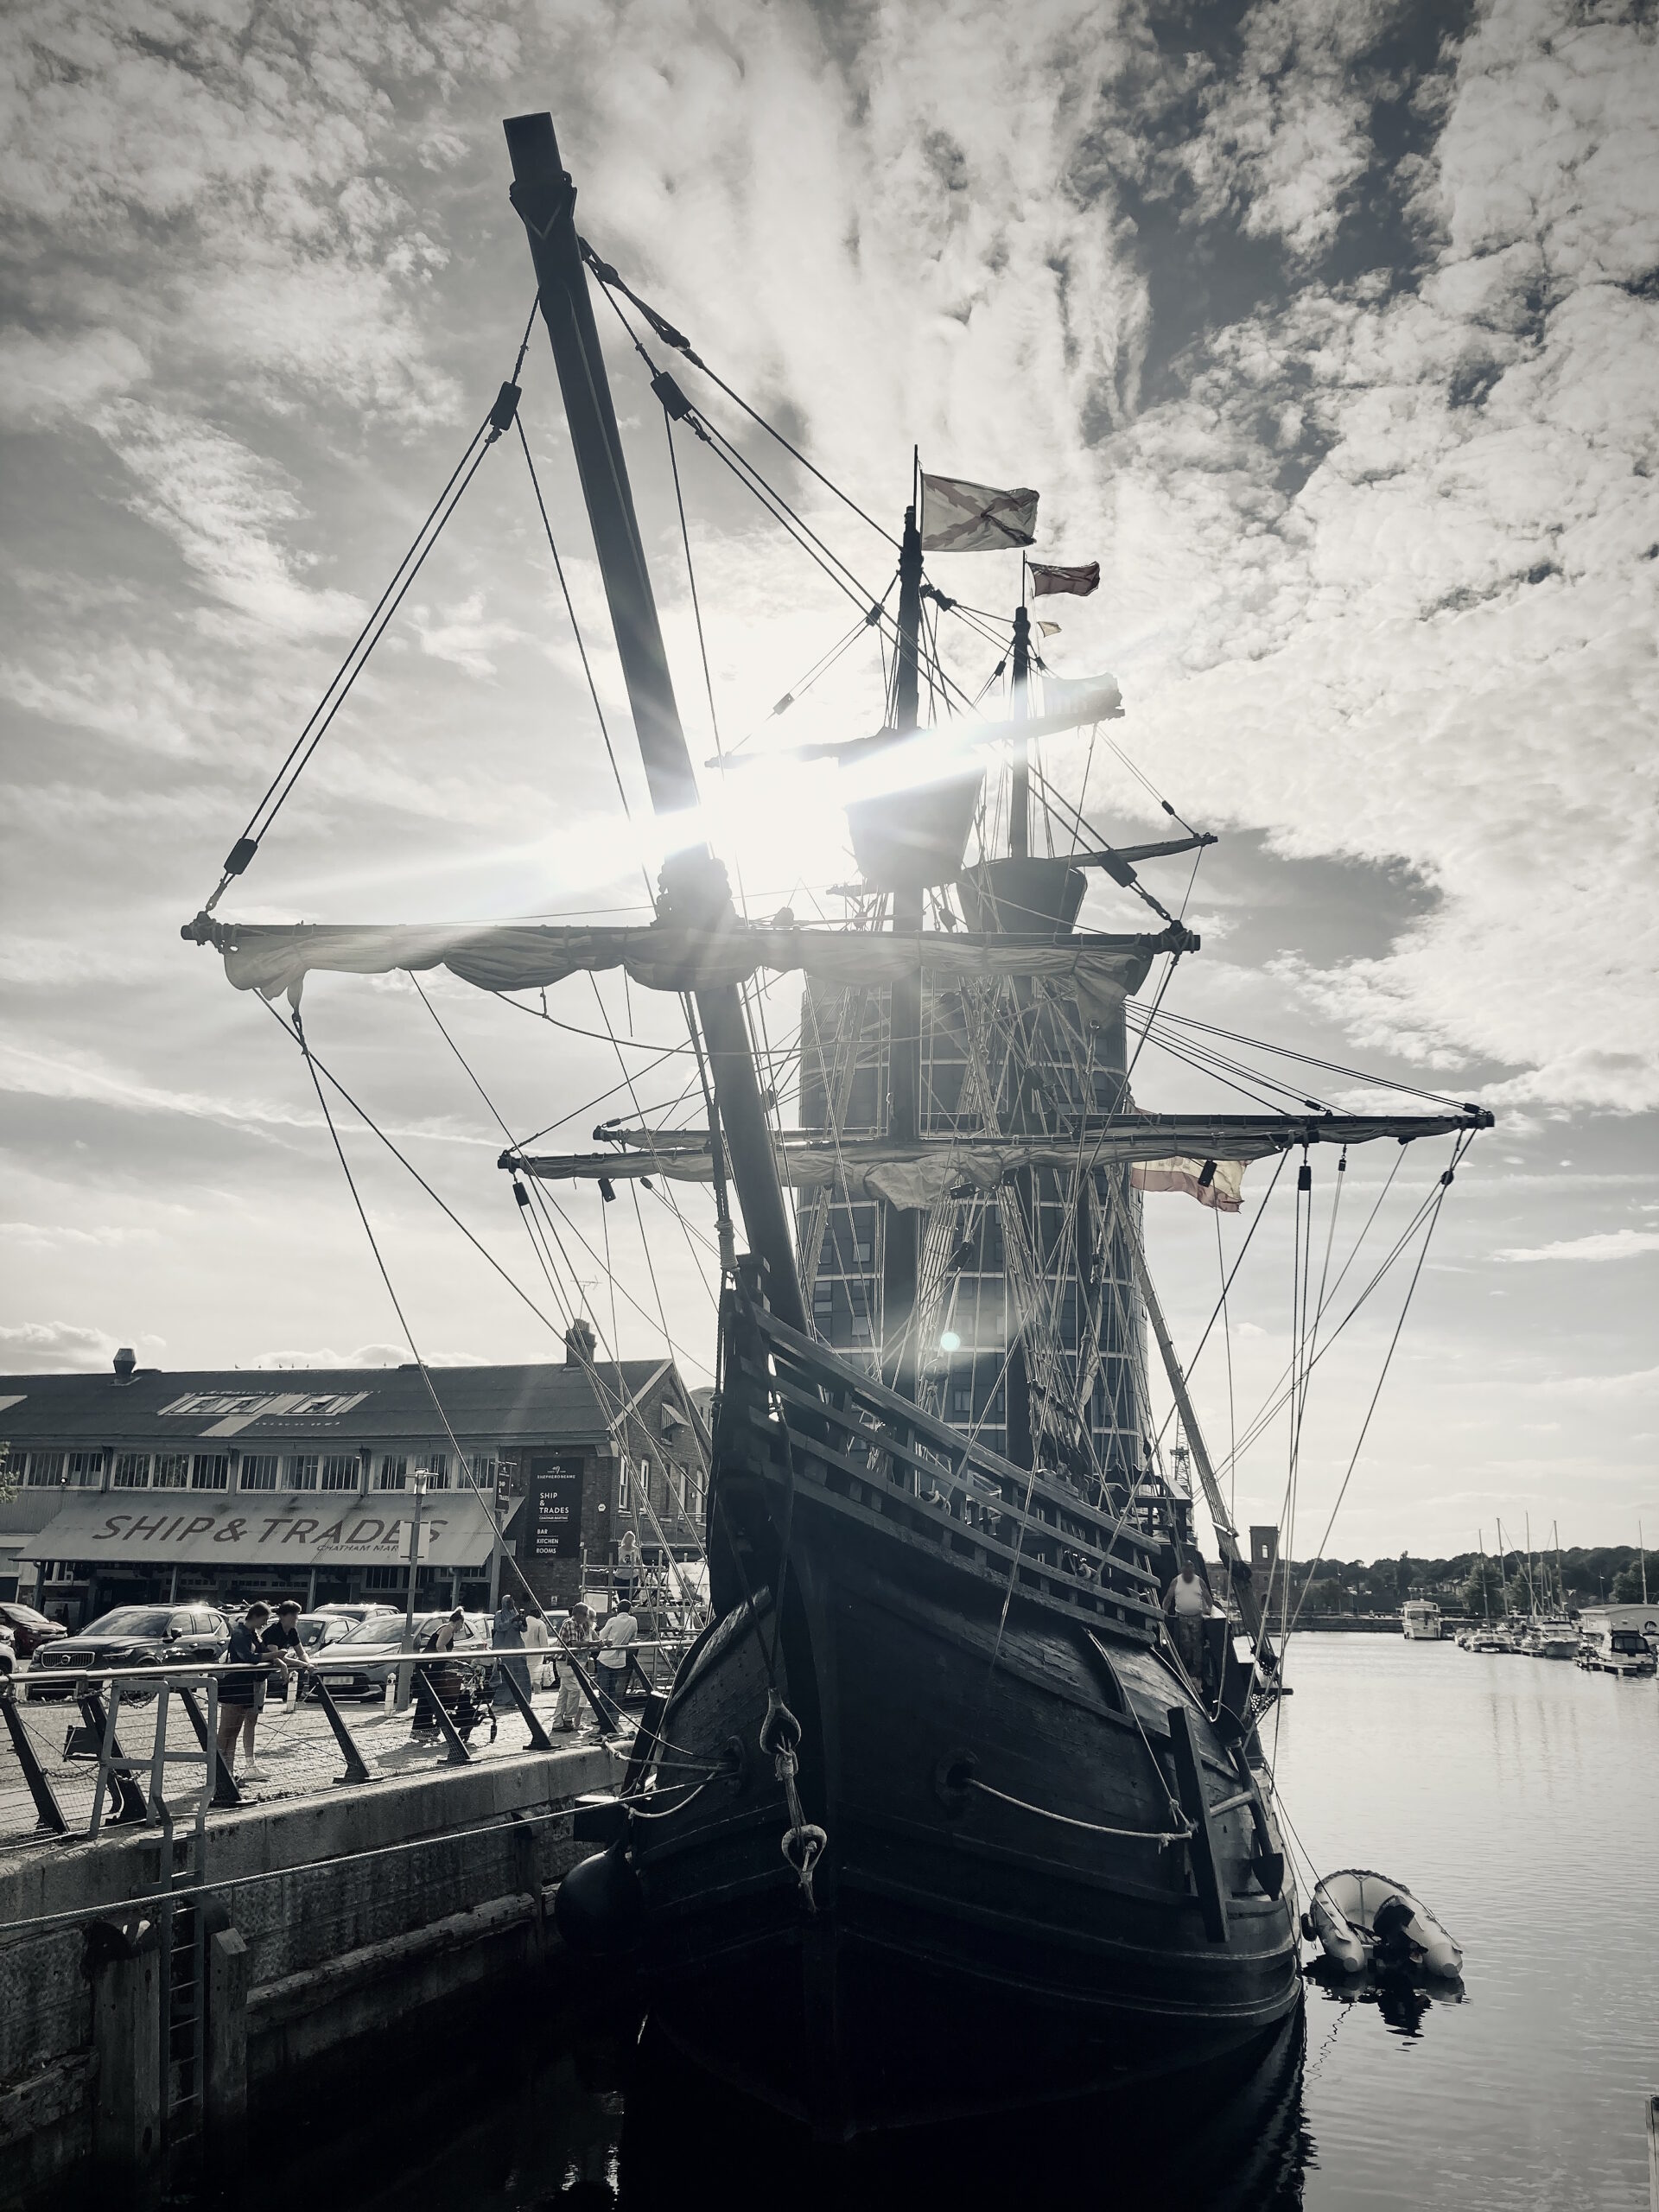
column 901, row 1248
column 694, row 892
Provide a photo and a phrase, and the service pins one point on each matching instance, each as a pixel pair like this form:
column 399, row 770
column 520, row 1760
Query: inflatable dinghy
column 1363, row 1919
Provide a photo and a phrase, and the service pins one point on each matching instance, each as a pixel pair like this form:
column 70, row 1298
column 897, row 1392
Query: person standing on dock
column 615, row 1642
column 238, row 1693
column 508, row 1634
column 536, row 1642
column 576, row 1634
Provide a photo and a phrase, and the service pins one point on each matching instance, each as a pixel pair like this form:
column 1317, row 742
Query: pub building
column 146, row 1486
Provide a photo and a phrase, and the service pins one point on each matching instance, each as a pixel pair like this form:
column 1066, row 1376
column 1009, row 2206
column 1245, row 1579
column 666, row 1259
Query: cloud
column 44, row 379
column 37, row 1347
column 1604, row 1244
column 221, row 506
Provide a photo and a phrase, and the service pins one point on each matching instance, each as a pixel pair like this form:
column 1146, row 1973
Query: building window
column 961, row 1401
column 132, row 1471
column 85, row 1470
column 436, row 1464
column 385, row 1578
column 212, row 1471
column 45, row 1469
column 340, row 1470
column 394, row 1472
column 258, row 1471
column 171, row 1471
column 624, row 1486
column 302, row 1471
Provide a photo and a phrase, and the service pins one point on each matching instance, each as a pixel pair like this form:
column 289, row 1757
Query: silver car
column 361, row 1665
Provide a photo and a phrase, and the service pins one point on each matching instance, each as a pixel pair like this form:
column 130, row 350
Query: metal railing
column 83, row 1750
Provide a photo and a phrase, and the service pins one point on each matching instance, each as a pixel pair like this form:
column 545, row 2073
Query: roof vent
column 579, row 1345
column 125, row 1363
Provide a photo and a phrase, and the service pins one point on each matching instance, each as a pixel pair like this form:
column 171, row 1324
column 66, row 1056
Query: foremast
column 694, row 887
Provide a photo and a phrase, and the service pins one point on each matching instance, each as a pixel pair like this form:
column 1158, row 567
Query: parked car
column 361, row 1664
column 8, row 1655
column 319, row 1630
column 132, row 1636
column 29, row 1630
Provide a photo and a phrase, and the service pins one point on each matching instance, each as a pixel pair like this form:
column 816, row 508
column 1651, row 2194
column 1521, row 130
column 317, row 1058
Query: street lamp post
column 405, row 1669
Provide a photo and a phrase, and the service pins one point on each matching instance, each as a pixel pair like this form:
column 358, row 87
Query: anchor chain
column 804, row 1841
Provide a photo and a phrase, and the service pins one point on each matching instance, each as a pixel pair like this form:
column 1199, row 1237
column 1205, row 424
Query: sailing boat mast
column 1019, row 791
column 694, row 886
column 901, row 1248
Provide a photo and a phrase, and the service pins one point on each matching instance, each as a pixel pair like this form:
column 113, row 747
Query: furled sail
column 1175, row 1146
column 1098, row 970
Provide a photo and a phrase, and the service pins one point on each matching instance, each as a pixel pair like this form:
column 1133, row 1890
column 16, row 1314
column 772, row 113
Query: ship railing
column 1028, row 1523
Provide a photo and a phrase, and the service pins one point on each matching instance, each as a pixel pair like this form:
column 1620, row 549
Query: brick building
column 145, row 1485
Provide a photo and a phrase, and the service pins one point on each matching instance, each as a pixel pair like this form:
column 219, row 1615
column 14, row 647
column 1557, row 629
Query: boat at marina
column 1619, row 1639
column 1419, row 1621
column 941, row 1813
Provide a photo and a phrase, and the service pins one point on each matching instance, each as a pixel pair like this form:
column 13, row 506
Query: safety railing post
column 539, row 1738
column 459, row 1754
column 227, row 1796
column 356, row 1769
column 49, row 1814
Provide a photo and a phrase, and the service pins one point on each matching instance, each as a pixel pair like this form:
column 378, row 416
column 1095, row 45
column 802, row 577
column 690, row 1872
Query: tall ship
column 945, row 1809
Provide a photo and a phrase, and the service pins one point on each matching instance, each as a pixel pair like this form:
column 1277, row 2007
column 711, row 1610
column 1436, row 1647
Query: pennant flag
column 962, row 518
column 1079, row 581
column 1216, row 1182
column 1049, row 629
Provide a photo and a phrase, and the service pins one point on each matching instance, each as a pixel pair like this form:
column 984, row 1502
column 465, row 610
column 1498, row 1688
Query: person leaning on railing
column 575, row 1635
column 238, row 1692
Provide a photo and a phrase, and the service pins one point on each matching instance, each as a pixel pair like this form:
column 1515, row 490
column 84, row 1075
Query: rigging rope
column 503, row 411
column 462, row 1458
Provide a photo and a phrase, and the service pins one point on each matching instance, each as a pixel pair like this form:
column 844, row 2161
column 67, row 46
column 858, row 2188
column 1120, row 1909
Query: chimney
column 579, row 1345
column 125, row 1363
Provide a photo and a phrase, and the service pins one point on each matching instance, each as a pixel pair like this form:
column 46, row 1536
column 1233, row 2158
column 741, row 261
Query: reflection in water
column 1403, row 1999
column 1234, row 2145
column 584, row 2108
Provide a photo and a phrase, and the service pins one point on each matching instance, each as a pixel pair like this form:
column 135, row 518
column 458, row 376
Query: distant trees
column 1483, row 1593
column 1627, row 1588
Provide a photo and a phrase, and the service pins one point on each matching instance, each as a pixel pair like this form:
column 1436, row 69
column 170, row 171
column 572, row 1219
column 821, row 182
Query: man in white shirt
column 611, row 1657
column 1186, row 1603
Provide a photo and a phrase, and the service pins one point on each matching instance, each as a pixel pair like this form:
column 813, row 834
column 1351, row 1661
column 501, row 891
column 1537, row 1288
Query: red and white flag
column 1079, row 581
column 962, row 518
column 1216, row 1182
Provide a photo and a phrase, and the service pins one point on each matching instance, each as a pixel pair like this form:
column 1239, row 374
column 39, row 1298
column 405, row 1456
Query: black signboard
column 555, row 1530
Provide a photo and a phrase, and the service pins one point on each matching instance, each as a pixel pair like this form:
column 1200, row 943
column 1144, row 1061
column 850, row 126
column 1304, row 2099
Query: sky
column 1327, row 329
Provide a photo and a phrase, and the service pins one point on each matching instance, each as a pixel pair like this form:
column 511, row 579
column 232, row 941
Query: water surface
column 1518, row 1797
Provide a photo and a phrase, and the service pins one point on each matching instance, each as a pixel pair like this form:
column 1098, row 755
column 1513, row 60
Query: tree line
column 1582, row 1575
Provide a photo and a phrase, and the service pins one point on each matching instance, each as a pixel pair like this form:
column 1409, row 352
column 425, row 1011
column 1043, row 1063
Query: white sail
column 1171, row 1151
column 1097, row 972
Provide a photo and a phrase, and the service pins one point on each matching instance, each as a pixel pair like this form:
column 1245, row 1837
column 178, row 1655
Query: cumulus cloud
column 37, row 1347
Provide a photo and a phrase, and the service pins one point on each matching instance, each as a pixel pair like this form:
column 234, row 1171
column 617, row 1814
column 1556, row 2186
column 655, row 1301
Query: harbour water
column 1519, row 1798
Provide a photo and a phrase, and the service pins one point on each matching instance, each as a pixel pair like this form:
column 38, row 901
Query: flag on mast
column 962, row 518
column 1079, row 581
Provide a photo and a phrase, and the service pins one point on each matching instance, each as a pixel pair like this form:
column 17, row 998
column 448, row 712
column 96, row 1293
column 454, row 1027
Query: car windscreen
column 132, row 1620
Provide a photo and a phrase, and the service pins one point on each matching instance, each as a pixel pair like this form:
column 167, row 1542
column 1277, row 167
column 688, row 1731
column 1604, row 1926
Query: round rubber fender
column 600, row 1908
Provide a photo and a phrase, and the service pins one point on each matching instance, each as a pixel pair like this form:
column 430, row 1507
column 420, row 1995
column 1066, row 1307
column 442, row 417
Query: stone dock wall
column 331, row 1916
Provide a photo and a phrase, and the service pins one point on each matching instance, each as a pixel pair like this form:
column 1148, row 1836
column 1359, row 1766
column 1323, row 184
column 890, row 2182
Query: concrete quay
column 327, row 1919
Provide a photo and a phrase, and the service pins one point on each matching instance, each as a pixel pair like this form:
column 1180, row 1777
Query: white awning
column 295, row 1529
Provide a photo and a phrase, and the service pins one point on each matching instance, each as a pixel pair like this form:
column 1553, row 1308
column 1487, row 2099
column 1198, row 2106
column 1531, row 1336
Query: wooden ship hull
column 1033, row 1918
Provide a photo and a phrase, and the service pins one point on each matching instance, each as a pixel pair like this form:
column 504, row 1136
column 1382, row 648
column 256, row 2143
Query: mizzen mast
column 694, row 892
